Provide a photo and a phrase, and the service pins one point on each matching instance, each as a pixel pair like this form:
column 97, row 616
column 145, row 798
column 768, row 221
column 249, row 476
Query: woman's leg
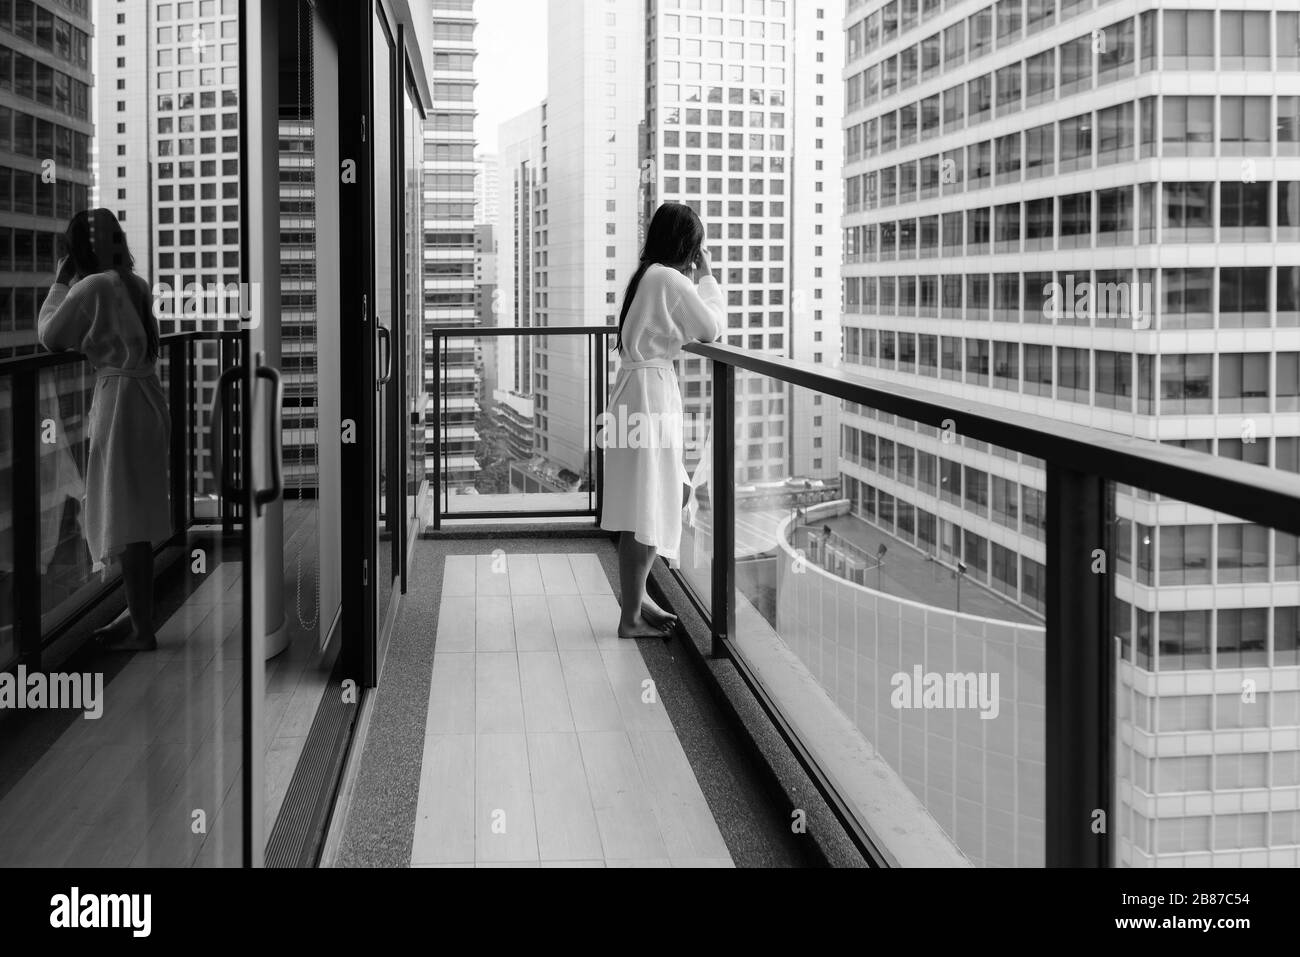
column 137, row 580
column 634, row 563
column 649, row 607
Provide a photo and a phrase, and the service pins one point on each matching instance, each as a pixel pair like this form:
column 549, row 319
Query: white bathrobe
column 130, row 427
column 645, row 475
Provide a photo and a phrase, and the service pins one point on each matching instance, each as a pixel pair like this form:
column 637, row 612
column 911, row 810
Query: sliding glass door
column 386, row 311
column 412, row 398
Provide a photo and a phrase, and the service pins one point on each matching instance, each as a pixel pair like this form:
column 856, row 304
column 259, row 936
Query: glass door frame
column 356, row 349
column 408, row 414
column 261, row 410
column 386, row 321
column 364, row 622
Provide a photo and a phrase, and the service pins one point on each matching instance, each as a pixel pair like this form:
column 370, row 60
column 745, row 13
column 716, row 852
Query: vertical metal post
column 229, row 424
column 27, row 516
column 191, row 433
column 439, row 474
column 1079, row 670
column 598, row 344
column 592, row 423
column 217, row 399
column 722, row 494
column 177, row 395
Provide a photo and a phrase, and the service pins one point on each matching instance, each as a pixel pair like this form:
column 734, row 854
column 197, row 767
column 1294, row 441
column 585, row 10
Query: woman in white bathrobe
column 642, row 434
column 98, row 306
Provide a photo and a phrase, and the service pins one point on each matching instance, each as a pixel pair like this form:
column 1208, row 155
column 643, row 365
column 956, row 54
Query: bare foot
column 639, row 628
column 129, row 641
column 655, row 615
column 115, row 630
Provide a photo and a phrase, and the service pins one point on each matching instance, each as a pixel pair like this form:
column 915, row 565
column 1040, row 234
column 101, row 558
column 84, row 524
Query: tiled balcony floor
column 546, row 742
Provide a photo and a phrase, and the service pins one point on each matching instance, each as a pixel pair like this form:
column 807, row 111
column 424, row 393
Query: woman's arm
column 701, row 311
column 62, row 324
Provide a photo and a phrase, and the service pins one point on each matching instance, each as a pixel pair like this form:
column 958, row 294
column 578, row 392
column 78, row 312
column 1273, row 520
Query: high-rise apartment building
column 485, row 306
column 518, row 231
column 587, row 238
column 168, row 138
column 46, row 134
column 45, row 144
column 449, row 218
column 299, row 346
column 742, row 124
column 487, row 189
column 518, row 234
column 606, row 148
column 1091, row 211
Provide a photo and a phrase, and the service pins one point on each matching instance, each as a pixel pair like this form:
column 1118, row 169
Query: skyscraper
column 1092, row 212
column 168, row 101
column 45, row 147
column 45, row 176
column 485, row 304
column 518, row 228
column 449, row 190
column 588, row 239
column 743, row 124
column 487, row 189
column 299, row 325
column 617, row 133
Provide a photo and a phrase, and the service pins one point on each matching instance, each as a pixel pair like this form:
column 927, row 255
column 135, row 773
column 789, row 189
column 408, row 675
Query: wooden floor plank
column 445, row 817
column 566, row 820
column 505, row 827
column 628, row 827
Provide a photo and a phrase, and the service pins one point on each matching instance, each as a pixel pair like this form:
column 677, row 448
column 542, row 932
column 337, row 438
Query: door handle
column 387, row 339
column 230, row 376
column 265, row 496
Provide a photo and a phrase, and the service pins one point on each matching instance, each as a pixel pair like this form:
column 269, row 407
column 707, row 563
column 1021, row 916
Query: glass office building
column 1089, row 212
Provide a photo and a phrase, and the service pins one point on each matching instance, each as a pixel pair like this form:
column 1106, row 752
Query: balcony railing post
column 178, row 398
column 439, row 474
column 599, row 342
column 722, row 499
column 1079, row 670
column 226, row 502
column 26, row 510
column 192, row 432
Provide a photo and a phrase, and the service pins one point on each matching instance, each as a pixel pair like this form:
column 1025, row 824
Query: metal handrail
column 507, row 332
column 39, row 361
column 1258, row 494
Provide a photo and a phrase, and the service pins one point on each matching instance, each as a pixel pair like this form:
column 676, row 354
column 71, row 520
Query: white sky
column 511, row 65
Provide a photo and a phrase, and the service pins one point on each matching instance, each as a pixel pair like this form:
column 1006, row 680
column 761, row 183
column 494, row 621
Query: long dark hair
column 673, row 240
column 95, row 243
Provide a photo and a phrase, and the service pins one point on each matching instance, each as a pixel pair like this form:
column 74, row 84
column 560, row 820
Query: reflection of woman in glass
column 100, row 307
column 646, row 484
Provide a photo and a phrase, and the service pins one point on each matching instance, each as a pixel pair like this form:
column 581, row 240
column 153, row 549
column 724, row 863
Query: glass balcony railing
column 47, row 578
column 513, row 433
column 962, row 642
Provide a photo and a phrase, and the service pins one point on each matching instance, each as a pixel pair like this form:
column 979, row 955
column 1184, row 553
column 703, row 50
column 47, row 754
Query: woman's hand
column 67, row 272
column 703, row 264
